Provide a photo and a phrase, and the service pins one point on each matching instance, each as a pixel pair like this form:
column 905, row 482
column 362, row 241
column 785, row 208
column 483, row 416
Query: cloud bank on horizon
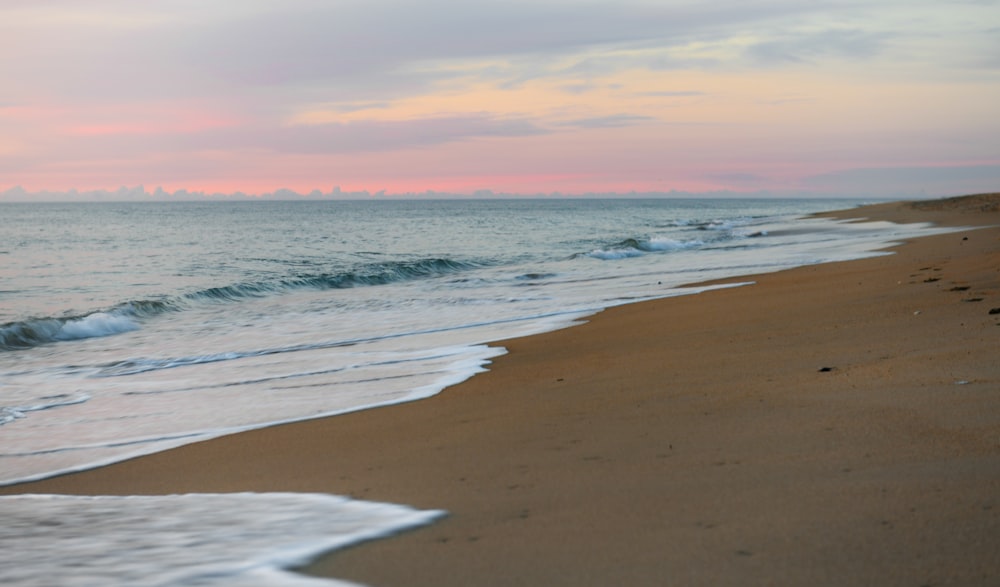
column 845, row 97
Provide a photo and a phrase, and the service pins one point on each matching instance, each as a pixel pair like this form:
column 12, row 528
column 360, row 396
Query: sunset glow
column 880, row 98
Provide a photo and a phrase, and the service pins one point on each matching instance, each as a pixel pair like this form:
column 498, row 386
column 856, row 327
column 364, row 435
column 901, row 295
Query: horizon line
column 140, row 194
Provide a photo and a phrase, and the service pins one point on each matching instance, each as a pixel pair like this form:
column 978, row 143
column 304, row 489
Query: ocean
column 131, row 328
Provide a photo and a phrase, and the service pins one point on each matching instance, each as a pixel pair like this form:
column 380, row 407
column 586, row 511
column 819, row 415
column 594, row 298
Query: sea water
column 130, row 328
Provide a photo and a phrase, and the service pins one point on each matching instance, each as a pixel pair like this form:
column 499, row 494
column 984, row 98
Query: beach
column 831, row 424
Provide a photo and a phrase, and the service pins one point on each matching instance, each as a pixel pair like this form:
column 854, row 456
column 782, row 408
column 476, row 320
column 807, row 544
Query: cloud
column 836, row 44
column 267, row 58
column 186, row 90
column 739, row 178
column 613, row 121
column 345, row 50
column 360, row 106
column 579, row 89
column 673, row 94
column 363, row 136
column 910, row 181
column 370, row 135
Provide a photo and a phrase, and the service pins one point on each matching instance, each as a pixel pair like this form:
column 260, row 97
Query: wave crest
column 632, row 247
column 32, row 333
column 367, row 275
column 126, row 317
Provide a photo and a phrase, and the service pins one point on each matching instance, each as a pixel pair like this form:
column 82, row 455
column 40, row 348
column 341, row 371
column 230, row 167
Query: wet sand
column 835, row 424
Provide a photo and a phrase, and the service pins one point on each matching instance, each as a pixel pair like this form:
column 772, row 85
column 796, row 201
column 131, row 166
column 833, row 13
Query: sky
column 868, row 97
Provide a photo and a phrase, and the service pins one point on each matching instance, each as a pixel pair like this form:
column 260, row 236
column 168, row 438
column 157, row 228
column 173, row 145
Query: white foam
column 94, row 325
column 204, row 539
column 11, row 413
column 614, row 254
column 670, row 244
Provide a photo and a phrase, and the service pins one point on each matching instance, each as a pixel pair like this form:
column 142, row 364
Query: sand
column 830, row 425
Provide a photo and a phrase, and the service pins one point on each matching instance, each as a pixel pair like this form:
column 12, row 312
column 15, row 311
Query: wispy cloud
column 330, row 138
column 923, row 180
column 374, row 135
column 810, row 47
column 352, row 49
column 673, row 93
column 200, row 88
column 613, row 121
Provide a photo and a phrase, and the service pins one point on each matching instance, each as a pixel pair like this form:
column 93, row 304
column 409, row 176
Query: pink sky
column 873, row 98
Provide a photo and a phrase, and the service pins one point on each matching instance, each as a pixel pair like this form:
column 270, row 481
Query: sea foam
column 246, row 539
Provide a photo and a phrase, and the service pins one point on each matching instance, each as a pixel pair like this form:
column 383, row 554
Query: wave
column 633, row 247
column 713, row 233
column 367, row 275
column 32, row 333
column 719, row 224
column 124, row 317
column 127, row 316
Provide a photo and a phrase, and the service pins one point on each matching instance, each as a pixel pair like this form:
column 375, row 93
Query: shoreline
column 829, row 424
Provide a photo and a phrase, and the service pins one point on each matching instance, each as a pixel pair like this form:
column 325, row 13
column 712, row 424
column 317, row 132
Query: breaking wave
column 127, row 316
column 31, row 333
column 633, row 247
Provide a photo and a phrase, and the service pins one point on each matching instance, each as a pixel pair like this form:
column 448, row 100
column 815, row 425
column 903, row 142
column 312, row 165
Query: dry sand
column 831, row 425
